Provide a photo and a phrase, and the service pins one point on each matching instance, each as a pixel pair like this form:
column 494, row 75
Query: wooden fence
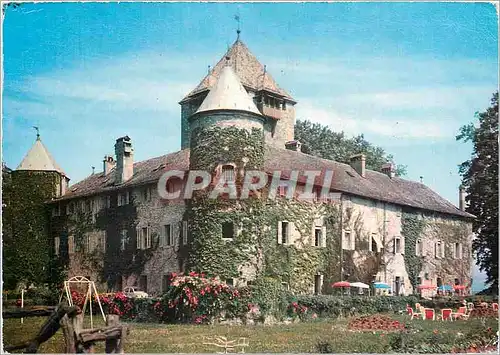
column 70, row 320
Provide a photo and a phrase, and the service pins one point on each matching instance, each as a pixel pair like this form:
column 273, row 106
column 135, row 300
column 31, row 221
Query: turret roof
column 249, row 70
column 228, row 94
column 38, row 158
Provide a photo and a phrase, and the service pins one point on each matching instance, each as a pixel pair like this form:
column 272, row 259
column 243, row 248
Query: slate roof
column 345, row 179
column 228, row 94
column 250, row 71
column 38, row 158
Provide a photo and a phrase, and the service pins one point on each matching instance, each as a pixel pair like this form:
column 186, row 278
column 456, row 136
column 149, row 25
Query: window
column 123, row 239
column 146, row 238
column 227, row 230
column 419, row 280
column 123, row 198
column 347, row 241
column 373, row 243
column 102, row 241
column 228, row 173
column 108, row 201
column 457, row 251
column 317, row 237
column 282, row 190
column 230, row 282
column 438, row 250
column 184, row 232
column 146, row 194
column 56, row 211
column 397, row 245
column 71, row 244
column 167, row 235
column 87, row 243
column 419, row 248
column 457, row 281
column 426, row 276
column 57, row 242
column 284, row 234
column 439, row 282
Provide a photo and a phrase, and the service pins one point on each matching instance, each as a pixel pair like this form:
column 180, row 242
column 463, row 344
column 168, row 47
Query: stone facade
column 138, row 239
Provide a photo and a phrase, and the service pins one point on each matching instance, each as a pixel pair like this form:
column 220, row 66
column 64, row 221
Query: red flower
column 435, row 331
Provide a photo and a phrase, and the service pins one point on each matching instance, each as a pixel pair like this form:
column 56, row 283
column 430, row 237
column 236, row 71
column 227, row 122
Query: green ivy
column 412, row 228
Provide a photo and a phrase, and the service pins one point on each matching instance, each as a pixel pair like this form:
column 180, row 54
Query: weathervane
column 238, row 31
column 37, row 132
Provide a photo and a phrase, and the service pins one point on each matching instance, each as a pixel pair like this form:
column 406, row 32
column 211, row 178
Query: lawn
column 297, row 337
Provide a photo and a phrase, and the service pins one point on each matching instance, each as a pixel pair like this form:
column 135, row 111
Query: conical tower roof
column 38, row 158
column 250, row 71
column 228, row 94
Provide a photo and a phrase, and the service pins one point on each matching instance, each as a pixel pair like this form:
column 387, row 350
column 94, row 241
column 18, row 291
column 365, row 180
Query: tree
column 321, row 141
column 480, row 180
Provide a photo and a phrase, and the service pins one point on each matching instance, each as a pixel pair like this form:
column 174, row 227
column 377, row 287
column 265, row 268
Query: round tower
column 227, row 139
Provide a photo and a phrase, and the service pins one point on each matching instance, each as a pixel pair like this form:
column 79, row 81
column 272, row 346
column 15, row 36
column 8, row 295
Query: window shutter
column 323, row 236
column 402, row 244
column 279, row 232
column 394, row 245
column 148, row 238
column 138, row 238
column 313, row 235
column 291, row 233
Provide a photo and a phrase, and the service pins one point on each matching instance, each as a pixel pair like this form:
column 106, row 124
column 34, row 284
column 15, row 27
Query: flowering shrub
column 375, row 322
column 196, row 298
column 483, row 312
column 295, row 310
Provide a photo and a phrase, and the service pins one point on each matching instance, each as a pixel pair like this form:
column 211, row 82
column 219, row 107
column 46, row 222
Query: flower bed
column 483, row 312
column 375, row 322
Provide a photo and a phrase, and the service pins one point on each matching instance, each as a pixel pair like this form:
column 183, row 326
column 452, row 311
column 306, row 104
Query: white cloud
column 354, row 125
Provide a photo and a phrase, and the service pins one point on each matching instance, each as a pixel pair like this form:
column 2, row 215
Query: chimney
column 357, row 162
column 461, row 198
column 124, row 159
column 108, row 163
column 293, row 145
column 388, row 169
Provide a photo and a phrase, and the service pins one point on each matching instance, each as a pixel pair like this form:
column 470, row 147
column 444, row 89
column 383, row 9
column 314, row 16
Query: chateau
column 114, row 228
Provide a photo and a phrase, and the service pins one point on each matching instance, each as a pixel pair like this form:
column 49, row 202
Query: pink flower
column 314, row 316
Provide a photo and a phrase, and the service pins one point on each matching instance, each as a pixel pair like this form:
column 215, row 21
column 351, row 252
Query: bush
column 196, row 298
column 269, row 295
column 334, row 306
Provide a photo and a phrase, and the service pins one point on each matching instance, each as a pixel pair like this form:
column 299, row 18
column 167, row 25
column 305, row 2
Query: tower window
column 228, row 173
column 419, row 248
column 397, row 245
column 284, row 232
column 318, row 237
column 227, row 230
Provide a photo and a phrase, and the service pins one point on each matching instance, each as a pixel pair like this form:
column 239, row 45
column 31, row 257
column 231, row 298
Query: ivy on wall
column 27, row 249
column 412, row 229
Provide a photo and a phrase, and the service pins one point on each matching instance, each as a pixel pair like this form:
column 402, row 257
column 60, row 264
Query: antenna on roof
column 37, row 133
column 209, row 69
column 93, row 170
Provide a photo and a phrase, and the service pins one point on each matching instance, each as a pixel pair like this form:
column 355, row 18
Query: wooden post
column 112, row 344
column 69, row 335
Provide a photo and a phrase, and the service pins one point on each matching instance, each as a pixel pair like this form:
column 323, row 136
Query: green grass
column 299, row 337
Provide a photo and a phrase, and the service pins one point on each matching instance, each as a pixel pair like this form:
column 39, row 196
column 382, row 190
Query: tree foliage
column 321, row 141
column 480, row 180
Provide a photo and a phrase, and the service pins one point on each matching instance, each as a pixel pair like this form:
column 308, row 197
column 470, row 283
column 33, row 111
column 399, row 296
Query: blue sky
column 406, row 75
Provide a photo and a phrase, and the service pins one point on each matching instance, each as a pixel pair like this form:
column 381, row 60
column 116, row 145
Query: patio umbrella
column 341, row 284
column 445, row 288
column 426, row 287
column 359, row 285
column 381, row 285
column 459, row 287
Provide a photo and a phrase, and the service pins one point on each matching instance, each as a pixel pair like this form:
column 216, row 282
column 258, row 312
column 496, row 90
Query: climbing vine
column 412, row 229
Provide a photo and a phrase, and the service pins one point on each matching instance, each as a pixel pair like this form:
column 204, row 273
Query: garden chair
column 429, row 313
column 494, row 306
column 417, row 306
column 446, row 314
column 415, row 314
column 462, row 313
column 470, row 306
